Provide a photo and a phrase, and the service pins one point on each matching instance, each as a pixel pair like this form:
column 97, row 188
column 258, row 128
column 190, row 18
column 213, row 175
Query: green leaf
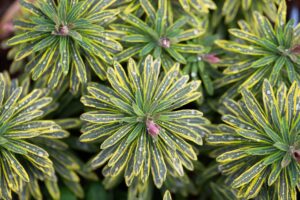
column 186, row 35
column 148, row 8
column 31, row 148
column 3, row 140
column 244, row 35
column 79, row 65
column 102, row 157
column 98, row 132
column 158, row 166
column 182, row 131
column 257, row 151
column 30, row 7
column 224, row 138
column 135, row 133
column 136, row 38
column 232, row 155
column 119, row 152
column 281, row 14
column 274, row 174
column 273, row 158
column 266, row 60
column 140, row 152
column 161, row 17
column 64, row 54
column 24, row 52
column 189, row 48
column 249, row 175
column 16, row 165
column 178, row 24
column 256, row 184
column 240, row 48
column 98, row 66
column 136, row 22
column 286, row 160
column 254, row 136
column 167, row 195
column 276, row 69
column 281, row 146
column 120, row 87
column 25, row 37
column 176, row 55
column 255, row 109
column 147, row 49
column 183, row 146
column 43, row 64
column 127, row 53
column 52, row 188
column 266, row 26
column 117, row 136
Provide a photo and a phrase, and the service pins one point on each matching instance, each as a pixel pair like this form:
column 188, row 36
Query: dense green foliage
column 232, row 8
column 261, row 141
column 31, row 146
column 107, row 92
column 66, row 38
column 162, row 37
column 267, row 52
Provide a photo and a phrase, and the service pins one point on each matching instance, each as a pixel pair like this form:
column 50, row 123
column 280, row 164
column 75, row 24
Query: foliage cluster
column 177, row 99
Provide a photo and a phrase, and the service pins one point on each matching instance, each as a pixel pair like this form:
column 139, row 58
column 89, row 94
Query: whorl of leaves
column 35, row 144
column 67, row 37
column 263, row 51
column 158, row 35
column 21, row 113
column 137, row 125
column 260, row 142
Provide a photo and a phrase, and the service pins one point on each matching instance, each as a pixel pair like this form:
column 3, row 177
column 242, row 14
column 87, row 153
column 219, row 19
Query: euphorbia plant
column 232, row 8
column 23, row 132
column 66, row 37
column 260, row 142
column 158, row 36
column 140, row 122
column 118, row 71
column 262, row 51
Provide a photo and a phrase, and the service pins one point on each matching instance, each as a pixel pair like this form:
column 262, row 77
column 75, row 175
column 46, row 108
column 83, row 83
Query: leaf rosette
column 140, row 124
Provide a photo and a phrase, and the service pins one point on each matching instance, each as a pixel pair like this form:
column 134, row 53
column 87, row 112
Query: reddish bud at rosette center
column 64, row 30
column 152, row 128
column 164, row 42
column 211, row 58
column 296, row 155
column 296, row 49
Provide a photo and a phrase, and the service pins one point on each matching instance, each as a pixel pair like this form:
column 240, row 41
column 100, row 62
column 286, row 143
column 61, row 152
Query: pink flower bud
column 296, row 155
column 211, row 58
column 64, row 30
column 152, row 128
column 164, row 42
